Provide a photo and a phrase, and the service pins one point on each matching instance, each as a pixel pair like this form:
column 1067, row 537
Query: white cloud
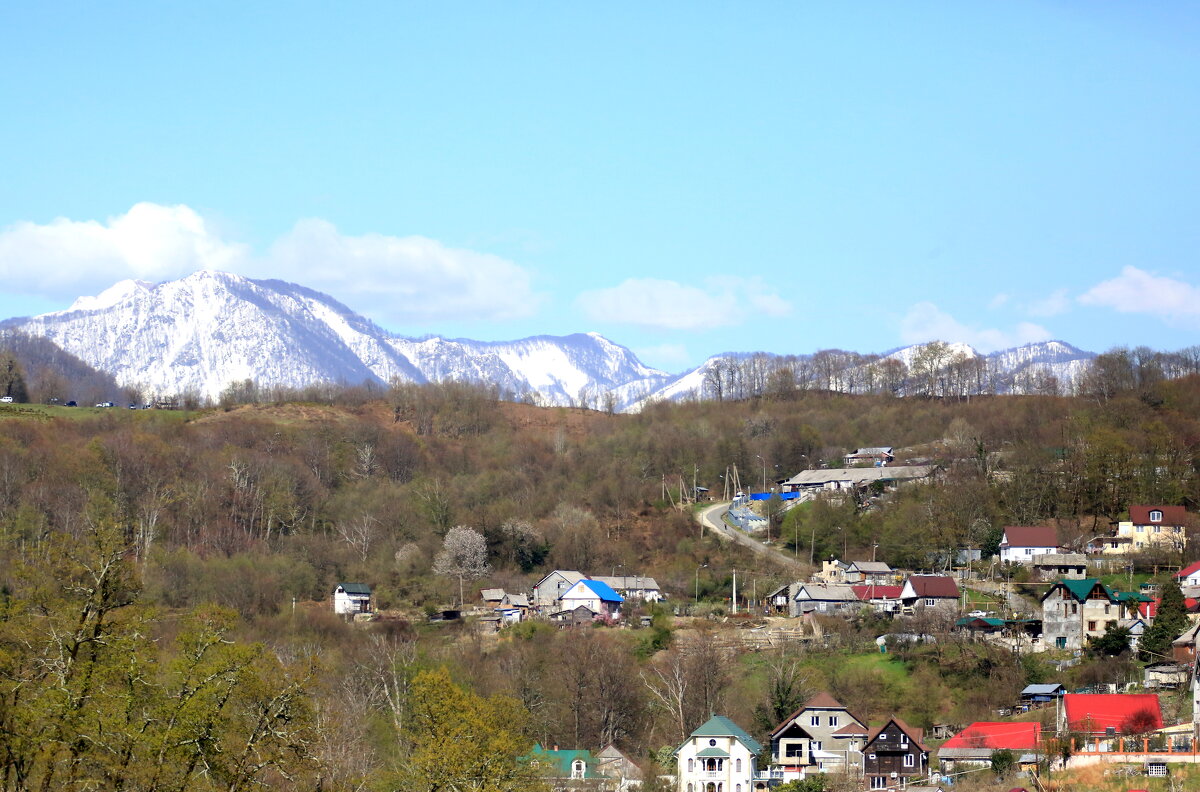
column 1052, row 305
column 402, row 278
column 666, row 304
column 926, row 322
column 67, row 258
column 396, row 279
column 1138, row 291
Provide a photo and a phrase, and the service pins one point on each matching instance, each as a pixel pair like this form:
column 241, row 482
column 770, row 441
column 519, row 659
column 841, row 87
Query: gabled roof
column 933, row 586
column 869, row 592
column 1029, row 536
column 851, row 730
column 570, row 575
column 1190, row 569
column 826, row 592
column 873, row 450
column 562, row 759
column 359, row 589
column 517, row 600
column 720, row 726
column 492, row 594
column 914, row 735
column 1171, row 515
column 1050, row 689
column 1015, row 736
column 626, row 582
column 712, row 752
column 821, row 701
column 602, row 590
column 1080, row 589
column 1096, row 712
column 871, row 567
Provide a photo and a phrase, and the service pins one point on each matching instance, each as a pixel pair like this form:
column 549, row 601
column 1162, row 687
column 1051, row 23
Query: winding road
column 712, row 518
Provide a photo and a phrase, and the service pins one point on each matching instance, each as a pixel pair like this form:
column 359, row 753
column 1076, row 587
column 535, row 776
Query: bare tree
column 463, row 555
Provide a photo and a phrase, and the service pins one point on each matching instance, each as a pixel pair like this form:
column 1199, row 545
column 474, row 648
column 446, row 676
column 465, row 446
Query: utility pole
column 735, row 592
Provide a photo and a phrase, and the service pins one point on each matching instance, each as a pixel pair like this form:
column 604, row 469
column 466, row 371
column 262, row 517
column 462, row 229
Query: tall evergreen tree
column 1169, row 621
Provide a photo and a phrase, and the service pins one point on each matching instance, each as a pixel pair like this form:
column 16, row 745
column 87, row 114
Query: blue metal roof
column 603, row 591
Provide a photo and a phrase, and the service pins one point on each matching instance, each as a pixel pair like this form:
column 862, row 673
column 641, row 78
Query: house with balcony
column 1075, row 610
column 1148, row 528
column 822, row 736
column 720, row 756
column 893, row 756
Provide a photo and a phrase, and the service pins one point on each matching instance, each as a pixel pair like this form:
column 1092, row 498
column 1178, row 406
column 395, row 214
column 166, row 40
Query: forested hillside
column 159, row 569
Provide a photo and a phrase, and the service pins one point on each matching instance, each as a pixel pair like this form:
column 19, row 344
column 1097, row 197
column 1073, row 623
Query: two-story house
column 351, row 598
column 1148, row 528
column 893, row 755
column 548, row 590
column 592, row 594
column 1075, row 610
column 925, row 592
column 719, row 757
column 819, row 737
column 1020, row 543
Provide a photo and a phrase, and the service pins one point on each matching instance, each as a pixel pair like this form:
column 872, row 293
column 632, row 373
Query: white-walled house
column 719, row 757
column 351, row 598
column 1022, row 543
column 592, row 594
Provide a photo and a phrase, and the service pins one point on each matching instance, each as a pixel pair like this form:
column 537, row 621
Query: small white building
column 1022, row 543
column 592, row 594
column 351, row 598
column 719, row 757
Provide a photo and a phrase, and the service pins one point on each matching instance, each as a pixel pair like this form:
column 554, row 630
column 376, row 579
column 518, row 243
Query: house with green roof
column 561, row 767
column 1075, row 610
column 719, row 756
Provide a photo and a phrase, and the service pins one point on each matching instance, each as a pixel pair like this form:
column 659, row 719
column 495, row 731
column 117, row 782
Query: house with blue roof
column 595, row 595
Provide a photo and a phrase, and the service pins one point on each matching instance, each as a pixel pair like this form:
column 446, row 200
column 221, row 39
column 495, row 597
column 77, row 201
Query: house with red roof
column 1148, row 528
column 1189, row 575
column 1111, row 714
column 974, row 744
column 923, row 592
column 883, row 599
column 1021, row 543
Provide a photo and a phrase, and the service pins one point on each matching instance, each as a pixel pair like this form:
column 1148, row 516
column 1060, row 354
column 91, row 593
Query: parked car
column 72, row 403
column 104, row 404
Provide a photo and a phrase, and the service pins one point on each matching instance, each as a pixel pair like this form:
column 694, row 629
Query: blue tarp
column 767, row 495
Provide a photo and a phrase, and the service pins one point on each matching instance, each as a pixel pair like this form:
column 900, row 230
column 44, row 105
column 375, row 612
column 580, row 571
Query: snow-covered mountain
column 210, row 329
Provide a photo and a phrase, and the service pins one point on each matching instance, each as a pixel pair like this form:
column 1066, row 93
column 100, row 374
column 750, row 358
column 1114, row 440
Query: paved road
column 713, row 519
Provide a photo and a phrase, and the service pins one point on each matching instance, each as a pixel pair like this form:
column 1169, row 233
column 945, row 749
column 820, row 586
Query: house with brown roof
column 1021, row 543
column 1148, row 528
column 820, row 737
column 893, row 755
column 923, row 592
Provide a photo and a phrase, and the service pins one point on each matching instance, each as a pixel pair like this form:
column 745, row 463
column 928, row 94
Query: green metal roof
column 560, row 761
column 1132, row 596
column 1081, row 588
column 720, row 726
column 712, row 752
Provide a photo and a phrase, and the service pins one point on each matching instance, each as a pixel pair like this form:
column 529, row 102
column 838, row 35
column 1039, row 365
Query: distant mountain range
column 199, row 334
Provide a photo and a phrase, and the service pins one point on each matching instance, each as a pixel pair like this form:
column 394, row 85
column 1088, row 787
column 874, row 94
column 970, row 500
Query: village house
column 719, row 756
column 1148, row 528
column 565, row 769
column 1075, row 610
column 1052, row 566
column 927, row 592
column 1020, row 543
column 878, row 456
column 820, row 737
column 1037, row 696
column 613, row 764
column 854, row 479
column 881, row 599
column 869, row 572
column 578, row 616
column 632, row 587
column 826, row 598
column 594, row 595
column 1110, row 714
column 778, row 602
column 351, row 598
column 893, row 755
column 973, row 746
column 1189, row 575
column 548, row 590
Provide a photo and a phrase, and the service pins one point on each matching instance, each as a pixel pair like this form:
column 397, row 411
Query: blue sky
column 685, row 178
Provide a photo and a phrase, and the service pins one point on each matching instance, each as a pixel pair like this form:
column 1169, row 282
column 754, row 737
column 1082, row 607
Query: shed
column 351, row 598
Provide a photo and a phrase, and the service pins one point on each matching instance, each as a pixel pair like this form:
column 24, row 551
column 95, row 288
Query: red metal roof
column 1096, row 712
column 1187, row 570
column 869, row 592
column 1171, row 515
column 933, row 586
column 1021, row 736
column 1030, row 536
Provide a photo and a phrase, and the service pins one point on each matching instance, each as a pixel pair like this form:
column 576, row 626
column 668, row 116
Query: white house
column 1021, row 543
column 548, row 590
column 351, row 598
column 594, row 595
column 719, row 757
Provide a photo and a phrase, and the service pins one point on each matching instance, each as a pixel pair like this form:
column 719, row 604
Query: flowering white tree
column 463, row 555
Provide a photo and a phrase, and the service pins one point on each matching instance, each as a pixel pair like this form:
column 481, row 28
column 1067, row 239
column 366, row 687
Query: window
column 908, row 760
column 1155, row 516
column 691, row 763
column 1106, row 607
column 1091, row 626
column 930, row 601
column 1140, row 528
column 1060, row 642
column 577, row 769
column 1156, row 769
column 712, row 742
column 816, row 745
column 689, row 788
column 1074, row 608
column 833, row 720
column 738, row 765
column 872, row 756
column 815, row 720
column 878, row 782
